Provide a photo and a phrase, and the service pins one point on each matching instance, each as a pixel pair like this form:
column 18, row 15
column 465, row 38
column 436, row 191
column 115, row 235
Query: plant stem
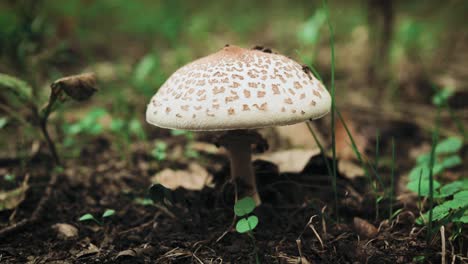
column 333, row 106
column 252, row 238
column 392, row 179
column 50, row 143
column 435, row 137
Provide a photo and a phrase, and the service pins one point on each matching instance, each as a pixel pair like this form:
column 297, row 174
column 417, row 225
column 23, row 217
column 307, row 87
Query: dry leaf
column 343, row 142
column 364, row 228
column 289, row 160
column 90, row 250
column 65, row 231
column 194, row 178
column 79, row 87
column 349, row 169
column 12, row 198
column 298, row 135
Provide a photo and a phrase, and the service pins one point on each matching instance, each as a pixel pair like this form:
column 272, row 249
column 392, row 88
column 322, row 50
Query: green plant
column 309, row 33
column 333, row 105
column 440, row 99
column 20, row 93
column 89, row 217
column 159, row 151
column 148, row 75
column 451, row 199
column 446, row 157
column 189, row 152
column 243, row 208
column 9, row 177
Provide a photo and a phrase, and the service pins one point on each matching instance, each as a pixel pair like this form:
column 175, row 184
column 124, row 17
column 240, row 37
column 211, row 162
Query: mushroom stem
column 242, row 172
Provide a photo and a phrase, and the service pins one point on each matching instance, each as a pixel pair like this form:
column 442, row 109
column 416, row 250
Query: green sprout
column 247, row 222
column 159, row 151
column 9, row 177
column 89, row 217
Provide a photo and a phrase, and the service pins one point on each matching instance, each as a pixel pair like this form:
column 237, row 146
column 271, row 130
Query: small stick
column 442, row 237
column 299, row 248
column 311, row 225
column 324, row 224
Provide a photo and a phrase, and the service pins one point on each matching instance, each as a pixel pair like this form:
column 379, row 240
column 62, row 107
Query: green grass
column 392, row 181
column 333, row 107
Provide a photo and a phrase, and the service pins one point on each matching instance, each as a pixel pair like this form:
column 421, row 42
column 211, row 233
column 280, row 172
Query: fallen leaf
column 350, row 169
column 65, row 231
column 344, row 148
column 12, row 198
column 298, row 135
column 206, row 148
column 127, row 253
column 289, row 160
column 90, row 250
column 194, row 178
column 364, row 228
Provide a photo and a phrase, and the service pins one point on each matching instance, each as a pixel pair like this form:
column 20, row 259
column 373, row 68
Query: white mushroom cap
column 238, row 88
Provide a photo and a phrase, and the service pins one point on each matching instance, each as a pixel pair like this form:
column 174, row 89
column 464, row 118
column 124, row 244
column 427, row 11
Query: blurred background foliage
column 387, row 51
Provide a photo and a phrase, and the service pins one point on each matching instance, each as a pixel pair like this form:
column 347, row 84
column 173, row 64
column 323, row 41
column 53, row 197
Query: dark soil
column 190, row 231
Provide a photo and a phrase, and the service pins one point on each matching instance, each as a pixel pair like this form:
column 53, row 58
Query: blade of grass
column 392, row 180
column 377, row 144
column 333, row 104
column 435, row 137
column 356, row 150
column 322, row 150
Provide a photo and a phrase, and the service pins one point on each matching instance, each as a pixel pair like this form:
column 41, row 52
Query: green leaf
column 462, row 218
column 439, row 212
column 463, row 195
column 178, row 132
column 3, row 122
column 159, row 151
column 108, row 213
column 455, row 204
column 16, row 86
column 310, row 31
column 87, row 217
column 417, row 171
column 244, row 206
column 136, row 129
column 247, row 224
column 451, row 188
column 143, row 201
column 423, row 159
column 451, row 161
column 414, row 186
column 117, row 125
column 441, row 97
column 9, row 177
column 144, row 68
column 449, row 145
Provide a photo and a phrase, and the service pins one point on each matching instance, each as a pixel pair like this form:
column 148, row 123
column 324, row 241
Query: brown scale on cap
column 236, row 83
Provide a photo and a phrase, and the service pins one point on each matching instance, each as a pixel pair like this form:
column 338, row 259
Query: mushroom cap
column 238, row 88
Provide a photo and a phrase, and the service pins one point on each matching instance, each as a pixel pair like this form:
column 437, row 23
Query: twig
column 311, row 225
column 299, row 248
column 324, row 224
column 36, row 215
column 442, row 237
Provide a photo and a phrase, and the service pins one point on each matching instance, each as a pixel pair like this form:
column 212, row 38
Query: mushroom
column 234, row 90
